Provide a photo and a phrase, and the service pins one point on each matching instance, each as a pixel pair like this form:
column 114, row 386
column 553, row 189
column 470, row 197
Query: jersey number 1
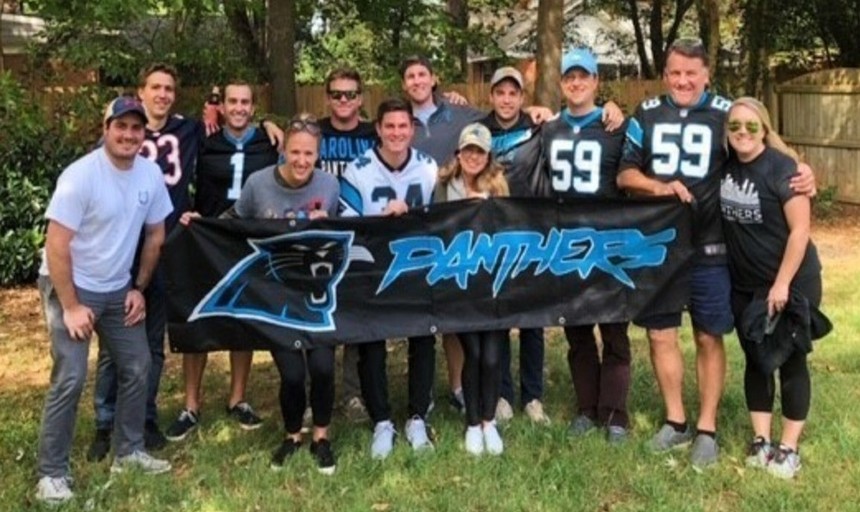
column 237, row 162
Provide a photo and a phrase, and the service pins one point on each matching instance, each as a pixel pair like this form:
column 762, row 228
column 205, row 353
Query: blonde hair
column 771, row 138
column 491, row 179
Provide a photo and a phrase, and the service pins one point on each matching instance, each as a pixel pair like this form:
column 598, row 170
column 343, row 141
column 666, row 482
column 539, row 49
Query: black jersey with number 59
column 668, row 143
column 579, row 157
column 224, row 164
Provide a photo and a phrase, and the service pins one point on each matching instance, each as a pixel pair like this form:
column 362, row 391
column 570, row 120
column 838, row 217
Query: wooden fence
column 819, row 115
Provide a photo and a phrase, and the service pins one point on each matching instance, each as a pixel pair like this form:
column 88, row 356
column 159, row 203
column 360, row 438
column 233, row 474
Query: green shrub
column 825, row 206
column 41, row 136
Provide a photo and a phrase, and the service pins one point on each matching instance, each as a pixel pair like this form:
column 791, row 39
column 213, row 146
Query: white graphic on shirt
column 740, row 202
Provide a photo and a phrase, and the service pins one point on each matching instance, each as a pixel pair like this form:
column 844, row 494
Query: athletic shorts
column 710, row 303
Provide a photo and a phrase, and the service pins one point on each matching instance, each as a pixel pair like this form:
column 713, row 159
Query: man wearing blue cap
column 96, row 214
column 580, row 161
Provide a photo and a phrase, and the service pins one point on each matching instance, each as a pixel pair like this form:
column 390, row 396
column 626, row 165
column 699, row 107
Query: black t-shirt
column 338, row 148
column 224, row 165
column 174, row 148
column 580, row 158
column 668, row 143
column 517, row 148
column 752, row 196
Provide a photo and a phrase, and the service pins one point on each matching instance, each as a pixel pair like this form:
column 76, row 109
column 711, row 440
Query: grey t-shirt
column 267, row 196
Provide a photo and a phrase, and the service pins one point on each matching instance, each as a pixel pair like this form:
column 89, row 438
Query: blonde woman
column 472, row 173
column 771, row 258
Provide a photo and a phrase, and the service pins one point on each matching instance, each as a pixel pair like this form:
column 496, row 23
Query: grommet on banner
column 433, row 329
column 297, row 343
column 561, row 320
column 292, row 223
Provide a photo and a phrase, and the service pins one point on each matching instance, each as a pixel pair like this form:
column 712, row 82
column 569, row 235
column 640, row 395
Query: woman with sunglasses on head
column 771, row 257
column 473, row 173
column 296, row 189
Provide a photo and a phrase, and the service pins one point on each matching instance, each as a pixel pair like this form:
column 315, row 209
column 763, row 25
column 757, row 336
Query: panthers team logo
column 289, row 280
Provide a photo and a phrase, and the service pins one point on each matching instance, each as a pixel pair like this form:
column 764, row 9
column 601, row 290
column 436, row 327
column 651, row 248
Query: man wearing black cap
column 96, row 214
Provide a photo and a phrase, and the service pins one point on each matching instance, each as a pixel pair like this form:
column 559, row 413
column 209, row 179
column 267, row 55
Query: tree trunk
column 549, row 41
column 655, row 34
column 2, row 59
column 644, row 63
column 709, row 30
column 458, row 10
column 281, row 29
column 248, row 38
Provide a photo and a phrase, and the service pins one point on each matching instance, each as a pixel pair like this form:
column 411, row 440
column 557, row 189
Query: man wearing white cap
column 101, row 203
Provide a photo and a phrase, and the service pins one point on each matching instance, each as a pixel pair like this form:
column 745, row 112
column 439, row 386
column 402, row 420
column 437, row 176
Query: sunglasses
column 339, row 95
column 753, row 127
column 304, row 125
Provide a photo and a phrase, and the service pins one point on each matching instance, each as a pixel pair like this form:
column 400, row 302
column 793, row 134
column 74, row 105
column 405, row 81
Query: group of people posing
column 111, row 209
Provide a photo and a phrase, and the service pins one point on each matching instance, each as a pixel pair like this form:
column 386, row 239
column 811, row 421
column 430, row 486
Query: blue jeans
column 531, row 366
column 125, row 344
column 104, row 399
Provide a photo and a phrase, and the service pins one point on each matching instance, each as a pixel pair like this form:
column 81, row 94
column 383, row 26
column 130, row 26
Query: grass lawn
column 221, row 468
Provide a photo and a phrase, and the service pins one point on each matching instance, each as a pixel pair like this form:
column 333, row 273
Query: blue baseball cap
column 122, row 106
column 579, row 58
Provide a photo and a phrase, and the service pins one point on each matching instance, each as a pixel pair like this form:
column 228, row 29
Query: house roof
column 17, row 31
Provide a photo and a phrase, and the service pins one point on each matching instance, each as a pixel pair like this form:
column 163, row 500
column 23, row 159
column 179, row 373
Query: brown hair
column 157, row 67
column 238, row 82
column 771, row 138
column 491, row 179
column 343, row 73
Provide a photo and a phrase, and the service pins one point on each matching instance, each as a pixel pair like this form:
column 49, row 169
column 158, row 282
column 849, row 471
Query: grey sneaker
column 141, row 460
column 759, row 453
column 580, row 426
column 54, row 490
column 416, row 434
column 504, row 411
column 705, row 451
column 534, row 410
column 383, row 440
column 667, row 438
column 785, row 463
column 616, row 434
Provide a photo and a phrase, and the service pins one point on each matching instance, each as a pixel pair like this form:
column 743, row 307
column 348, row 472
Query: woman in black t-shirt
column 770, row 254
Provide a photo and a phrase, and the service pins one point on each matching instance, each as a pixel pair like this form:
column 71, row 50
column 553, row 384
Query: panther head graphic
column 289, row 280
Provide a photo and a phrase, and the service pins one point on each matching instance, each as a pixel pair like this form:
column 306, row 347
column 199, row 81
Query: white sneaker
column 53, row 490
column 504, row 411
column 383, row 440
column 474, row 440
column 416, row 434
column 492, row 439
column 534, row 410
column 141, row 460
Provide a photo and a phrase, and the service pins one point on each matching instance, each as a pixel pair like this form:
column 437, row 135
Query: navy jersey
column 667, row 142
column 338, row 148
column 224, row 164
column 580, row 158
column 517, row 148
column 174, row 148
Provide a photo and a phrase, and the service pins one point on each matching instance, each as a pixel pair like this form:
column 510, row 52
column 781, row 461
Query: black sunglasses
column 339, row 95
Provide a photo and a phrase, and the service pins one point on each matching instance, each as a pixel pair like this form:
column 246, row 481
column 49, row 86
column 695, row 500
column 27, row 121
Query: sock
column 679, row 427
column 712, row 435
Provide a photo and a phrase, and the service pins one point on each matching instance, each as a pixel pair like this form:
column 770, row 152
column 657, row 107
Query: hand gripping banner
column 453, row 267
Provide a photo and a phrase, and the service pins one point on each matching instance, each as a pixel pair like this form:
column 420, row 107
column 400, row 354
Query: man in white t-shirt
column 101, row 203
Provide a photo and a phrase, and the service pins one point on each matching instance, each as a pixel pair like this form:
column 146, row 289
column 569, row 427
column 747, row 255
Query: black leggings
column 291, row 365
column 794, row 380
column 373, row 375
column 481, row 373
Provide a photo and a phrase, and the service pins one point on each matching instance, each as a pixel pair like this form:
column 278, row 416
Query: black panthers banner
column 453, row 267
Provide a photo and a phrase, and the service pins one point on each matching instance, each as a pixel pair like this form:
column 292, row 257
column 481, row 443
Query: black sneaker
column 287, row 449
column 184, row 424
column 322, row 452
column 153, row 439
column 100, row 447
column 244, row 414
